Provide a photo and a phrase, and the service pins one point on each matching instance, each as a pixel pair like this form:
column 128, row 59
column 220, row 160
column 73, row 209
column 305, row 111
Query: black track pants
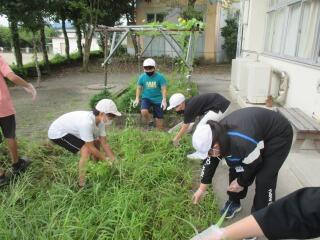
column 273, row 156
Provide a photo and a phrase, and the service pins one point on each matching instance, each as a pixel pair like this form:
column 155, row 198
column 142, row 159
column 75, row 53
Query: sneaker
column 20, row 166
column 233, row 209
column 4, row 180
column 150, row 123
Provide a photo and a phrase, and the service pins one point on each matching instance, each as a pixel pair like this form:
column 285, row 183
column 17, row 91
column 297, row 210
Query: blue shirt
column 152, row 86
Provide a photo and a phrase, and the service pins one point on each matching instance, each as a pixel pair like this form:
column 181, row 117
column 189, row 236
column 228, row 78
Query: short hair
column 95, row 112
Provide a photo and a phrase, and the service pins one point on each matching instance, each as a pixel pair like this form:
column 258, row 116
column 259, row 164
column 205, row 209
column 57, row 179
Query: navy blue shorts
column 157, row 110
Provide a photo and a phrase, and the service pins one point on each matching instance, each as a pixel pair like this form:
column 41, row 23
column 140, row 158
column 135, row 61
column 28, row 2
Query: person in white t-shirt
column 84, row 132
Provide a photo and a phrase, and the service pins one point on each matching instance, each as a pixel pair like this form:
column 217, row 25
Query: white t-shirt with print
column 81, row 124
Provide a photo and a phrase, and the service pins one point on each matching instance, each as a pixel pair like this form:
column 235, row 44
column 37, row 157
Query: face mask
column 180, row 112
column 149, row 73
column 108, row 122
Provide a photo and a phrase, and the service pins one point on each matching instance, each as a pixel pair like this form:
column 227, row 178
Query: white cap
column 202, row 141
column 107, row 106
column 175, row 100
column 149, row 62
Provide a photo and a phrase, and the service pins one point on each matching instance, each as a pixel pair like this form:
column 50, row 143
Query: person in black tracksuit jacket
column 254, row 142
column 296, row 216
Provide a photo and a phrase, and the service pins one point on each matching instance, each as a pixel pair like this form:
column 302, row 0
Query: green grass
column 146, row 195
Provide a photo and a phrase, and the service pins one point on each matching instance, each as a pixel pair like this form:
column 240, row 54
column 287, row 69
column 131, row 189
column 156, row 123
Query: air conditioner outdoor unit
column 259, row 76
column 239, row 74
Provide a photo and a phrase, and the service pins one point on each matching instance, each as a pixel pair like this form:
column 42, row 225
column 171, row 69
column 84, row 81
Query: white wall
column 303, row 83
column 304, row 80
column 58, row 44
column 254, row 25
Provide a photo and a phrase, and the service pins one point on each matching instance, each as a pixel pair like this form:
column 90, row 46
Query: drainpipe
column 284, row 85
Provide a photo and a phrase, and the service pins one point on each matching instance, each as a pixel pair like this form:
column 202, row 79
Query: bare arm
column 138, row 92
column 245, row 228
column 94, row 151
column 106, row 148
column 181, row 132
column 164, row 92
column 17, row 80
column 28, row 87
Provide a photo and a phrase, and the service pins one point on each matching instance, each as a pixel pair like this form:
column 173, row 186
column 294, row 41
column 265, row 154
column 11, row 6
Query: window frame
column 155, row 16
column 286, row 4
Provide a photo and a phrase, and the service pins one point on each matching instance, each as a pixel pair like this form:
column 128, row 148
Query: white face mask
column 108, row 122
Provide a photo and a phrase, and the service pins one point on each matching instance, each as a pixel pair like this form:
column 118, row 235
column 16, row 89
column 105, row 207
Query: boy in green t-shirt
column 154, row 93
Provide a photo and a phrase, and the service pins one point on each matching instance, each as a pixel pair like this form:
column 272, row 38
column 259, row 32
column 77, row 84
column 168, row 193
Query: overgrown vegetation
column 58, row 61
column 176, row 83
column 145, row 195
column 25, row 37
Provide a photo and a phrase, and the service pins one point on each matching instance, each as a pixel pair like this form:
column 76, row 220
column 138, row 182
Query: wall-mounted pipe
column 283, row 86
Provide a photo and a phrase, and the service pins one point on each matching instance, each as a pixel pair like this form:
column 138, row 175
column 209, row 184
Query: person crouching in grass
column 84, row 132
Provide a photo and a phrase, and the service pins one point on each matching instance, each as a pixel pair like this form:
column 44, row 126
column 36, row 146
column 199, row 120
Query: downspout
column 284, row 85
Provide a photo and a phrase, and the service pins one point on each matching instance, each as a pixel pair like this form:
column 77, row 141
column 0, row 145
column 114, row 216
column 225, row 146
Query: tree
column 61, row 11
column 230, row 33
column 44, row 48
column 13, row 11
column 92, row 13
column 33, row 20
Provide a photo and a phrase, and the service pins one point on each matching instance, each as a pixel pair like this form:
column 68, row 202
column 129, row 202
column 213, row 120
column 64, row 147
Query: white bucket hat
column 107, row 106
column 175, row 100
column 201, row 141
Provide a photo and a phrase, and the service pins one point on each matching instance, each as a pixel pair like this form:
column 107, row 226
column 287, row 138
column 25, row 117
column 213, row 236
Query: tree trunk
column 66, row 39
column 44, row 49
column 79, row 38
column 87, row 46
column 16, row 41
column 35, row 55
column 191, row 3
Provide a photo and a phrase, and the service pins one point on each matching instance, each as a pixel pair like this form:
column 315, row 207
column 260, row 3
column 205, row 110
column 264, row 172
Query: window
column 155, row 17
column 309, row 26
column 293, row 29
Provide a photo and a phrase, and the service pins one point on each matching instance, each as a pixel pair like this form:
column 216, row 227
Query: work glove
column 30, row 89
column 197, row 196
column 235, row 187
column 164, row 104
column 211, row 233
column 135, row 102
column 175, row 143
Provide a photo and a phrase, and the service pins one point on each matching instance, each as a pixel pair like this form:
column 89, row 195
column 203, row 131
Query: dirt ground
column 63, row 92
column 66, row 91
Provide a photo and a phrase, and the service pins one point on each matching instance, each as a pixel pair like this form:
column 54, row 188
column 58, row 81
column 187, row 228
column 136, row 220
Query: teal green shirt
column 151, row 86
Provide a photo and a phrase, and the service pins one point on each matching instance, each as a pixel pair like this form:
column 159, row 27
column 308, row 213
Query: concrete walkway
column 301, row 168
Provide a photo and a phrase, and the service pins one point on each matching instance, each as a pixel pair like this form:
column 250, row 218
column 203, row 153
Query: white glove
column 235, row 187
column 164, row 104
column 135, row 103
column 197, row 196
column 30, row 89
column 176, row 143
column 211, row 233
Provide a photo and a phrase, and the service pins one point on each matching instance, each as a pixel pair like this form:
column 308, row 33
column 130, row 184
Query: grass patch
column 146, row 195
